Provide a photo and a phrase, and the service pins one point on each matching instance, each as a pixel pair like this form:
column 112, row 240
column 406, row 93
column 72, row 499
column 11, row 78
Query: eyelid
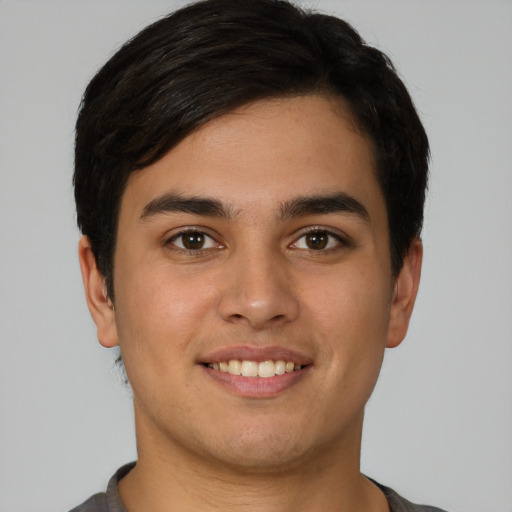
column 181, row 230
column 176, row 233
column 343, row 239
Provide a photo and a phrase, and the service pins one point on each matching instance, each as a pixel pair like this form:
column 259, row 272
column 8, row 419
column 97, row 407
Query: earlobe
column 404, row 294
column 98, row 301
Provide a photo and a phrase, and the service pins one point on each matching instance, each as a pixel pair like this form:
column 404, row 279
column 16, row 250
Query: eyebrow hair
column 171, row 202
column 297, row 207
column 323, row 204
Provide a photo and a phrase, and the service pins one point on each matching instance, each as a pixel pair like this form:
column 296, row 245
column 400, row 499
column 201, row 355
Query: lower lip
column 257, row 387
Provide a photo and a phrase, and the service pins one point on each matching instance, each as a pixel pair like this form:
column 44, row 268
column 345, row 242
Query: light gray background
column 439, row 426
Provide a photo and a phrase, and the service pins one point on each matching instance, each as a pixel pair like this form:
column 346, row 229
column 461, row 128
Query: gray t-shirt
column 110, row 501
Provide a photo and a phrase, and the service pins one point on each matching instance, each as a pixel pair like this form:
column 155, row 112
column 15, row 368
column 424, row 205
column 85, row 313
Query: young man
column 249, row 181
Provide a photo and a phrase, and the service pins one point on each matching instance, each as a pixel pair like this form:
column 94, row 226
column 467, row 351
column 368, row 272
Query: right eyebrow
column 171, row 203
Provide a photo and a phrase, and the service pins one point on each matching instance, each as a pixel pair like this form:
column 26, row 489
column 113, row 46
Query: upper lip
column 258, row 354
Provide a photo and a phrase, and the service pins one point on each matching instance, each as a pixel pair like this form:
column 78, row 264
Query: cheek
column 352, row 304
column 157, row 315
column 351, row 315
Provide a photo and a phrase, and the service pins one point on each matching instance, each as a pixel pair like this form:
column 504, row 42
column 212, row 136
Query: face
column 253, row 289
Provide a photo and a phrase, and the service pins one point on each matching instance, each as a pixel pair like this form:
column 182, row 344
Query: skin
column 257, row 283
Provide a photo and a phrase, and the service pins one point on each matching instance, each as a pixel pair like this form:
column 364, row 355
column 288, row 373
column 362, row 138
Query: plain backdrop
column 439, row 426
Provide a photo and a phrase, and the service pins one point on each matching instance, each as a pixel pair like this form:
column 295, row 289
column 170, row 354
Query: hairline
column 341, row 106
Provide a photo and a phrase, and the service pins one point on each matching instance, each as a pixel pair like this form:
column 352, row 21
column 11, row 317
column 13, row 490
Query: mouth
column 255, row 369
column 256, row 372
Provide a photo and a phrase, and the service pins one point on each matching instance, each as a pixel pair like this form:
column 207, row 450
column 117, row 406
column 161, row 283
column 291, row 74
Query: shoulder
column 109, row 501
column 96, row 503
column 399, row 504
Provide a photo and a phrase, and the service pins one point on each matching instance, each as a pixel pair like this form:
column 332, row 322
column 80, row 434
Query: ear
column 404, row 294
column 100, row 305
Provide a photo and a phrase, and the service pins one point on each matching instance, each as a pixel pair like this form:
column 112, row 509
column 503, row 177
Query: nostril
column 259, row 310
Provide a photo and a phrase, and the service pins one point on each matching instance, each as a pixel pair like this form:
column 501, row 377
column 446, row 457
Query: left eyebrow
column 172, row 203
column 323, row 204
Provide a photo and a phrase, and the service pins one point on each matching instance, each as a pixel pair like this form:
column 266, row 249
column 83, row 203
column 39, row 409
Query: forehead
column 264, row 154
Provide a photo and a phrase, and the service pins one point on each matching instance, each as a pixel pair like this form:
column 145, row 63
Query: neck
column 168, row 478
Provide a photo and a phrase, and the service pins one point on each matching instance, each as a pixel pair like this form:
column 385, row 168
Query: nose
column 258, row 291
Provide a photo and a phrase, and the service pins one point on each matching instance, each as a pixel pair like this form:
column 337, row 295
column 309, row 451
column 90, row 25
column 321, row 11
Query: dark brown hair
column 213, row 56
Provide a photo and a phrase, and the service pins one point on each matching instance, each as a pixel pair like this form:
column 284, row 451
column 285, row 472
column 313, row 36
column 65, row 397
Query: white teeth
column 266, row 369
column 249, row 369
column 235, row 367
column 280, row 367
column 263, row 369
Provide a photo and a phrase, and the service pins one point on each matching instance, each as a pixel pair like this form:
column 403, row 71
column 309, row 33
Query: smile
column 263, row 369
column 256, row 372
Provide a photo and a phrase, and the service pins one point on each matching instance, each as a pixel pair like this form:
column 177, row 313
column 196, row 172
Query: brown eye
column 317, row 240
column 193, row 241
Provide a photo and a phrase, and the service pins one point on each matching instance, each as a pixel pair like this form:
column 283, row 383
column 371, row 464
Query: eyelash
column 340, row 241
column 191, row 231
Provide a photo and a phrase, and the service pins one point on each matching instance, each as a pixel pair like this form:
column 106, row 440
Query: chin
column 261, row 456
column 265, row 448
